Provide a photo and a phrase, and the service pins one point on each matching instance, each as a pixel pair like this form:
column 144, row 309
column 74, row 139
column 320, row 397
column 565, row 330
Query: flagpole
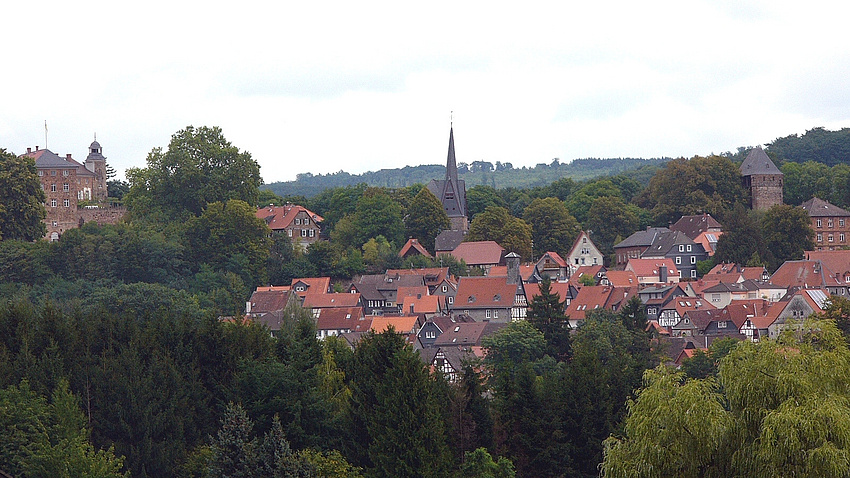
column 45, row 134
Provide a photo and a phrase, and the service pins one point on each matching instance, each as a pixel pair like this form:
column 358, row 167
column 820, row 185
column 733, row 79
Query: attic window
column 457, row 328
column 497, row 298
column 471, row 299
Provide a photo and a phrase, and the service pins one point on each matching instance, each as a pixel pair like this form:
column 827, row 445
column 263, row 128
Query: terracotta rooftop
column 484, row 292
column 337, row 299
column 479, row 253
column 281, row 217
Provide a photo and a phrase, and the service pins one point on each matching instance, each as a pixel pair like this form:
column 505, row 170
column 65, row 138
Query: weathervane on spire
column 451, row 118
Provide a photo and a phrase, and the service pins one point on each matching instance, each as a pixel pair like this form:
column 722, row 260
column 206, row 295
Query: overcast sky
column 326, row 86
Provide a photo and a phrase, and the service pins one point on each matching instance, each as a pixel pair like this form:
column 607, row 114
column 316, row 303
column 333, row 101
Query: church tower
column 452, row 191
column 763, row 179
column 96, row 163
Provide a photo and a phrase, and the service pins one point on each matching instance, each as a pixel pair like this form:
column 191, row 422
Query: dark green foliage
column 480, row 464
column 396, row 427
column 116, row 189
column 817, row 144
column 553, row 228
column 610, row 219
column 21, row 199
column 199, row 167
column 787, row 233
column 497, row 224
column 425, row 219
column 741, row 239
column 546, row 313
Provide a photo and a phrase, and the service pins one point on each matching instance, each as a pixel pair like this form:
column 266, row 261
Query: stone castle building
column 452, row 191
column 762, row 179
column 67, row 182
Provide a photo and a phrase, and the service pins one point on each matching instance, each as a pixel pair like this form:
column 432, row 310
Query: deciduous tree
column 497, row 224
column 553, row 228
column 21, row 199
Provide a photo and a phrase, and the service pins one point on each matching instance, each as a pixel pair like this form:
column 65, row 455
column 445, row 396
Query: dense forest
column 122, row 350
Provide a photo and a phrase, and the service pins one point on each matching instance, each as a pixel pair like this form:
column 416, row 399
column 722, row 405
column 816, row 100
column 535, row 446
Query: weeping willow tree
column 777, row 408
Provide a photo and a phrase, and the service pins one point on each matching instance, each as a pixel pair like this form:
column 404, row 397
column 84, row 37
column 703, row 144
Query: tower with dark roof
column 96, row 163
column 452, row 191
column 763, row 179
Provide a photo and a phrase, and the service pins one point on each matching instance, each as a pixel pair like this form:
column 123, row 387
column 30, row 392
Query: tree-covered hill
column 818, row 145
column 499, row 175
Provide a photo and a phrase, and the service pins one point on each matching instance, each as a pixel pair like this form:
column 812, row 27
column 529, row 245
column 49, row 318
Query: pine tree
column 546, row 313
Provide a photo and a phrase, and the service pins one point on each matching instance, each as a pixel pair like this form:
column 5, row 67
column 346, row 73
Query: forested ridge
column 123, row 351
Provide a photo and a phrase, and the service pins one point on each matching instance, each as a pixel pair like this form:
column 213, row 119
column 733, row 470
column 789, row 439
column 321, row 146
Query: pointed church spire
column 451, row 163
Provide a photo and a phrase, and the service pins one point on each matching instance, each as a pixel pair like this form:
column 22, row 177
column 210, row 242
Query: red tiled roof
column 315, row 285
column 649, row 267
column 264, row 301
column 525, row 271
column 411, row 247
column 622, row 278
column 426, row 304
column 466, row 333
column 342, row 318
column 337, row 299
column 561, row 288
column 803, row 274
column 836, row 261
column 402, row 325
column 727, row 278
column 478, row 292
column 588, row 298
column 479, row 253
column 592, row 271
column 281, row 217
column 556, row 258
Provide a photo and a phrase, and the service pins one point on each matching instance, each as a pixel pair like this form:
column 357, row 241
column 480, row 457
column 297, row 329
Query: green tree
column 479, row 198
column 609, row 219
column 553, row 228
column 546, row 313
column 497, row 224
column 199, row 167
column 741, row 239
column 377, row 214
column 780, row 410
column 396, row 425
column 425, row 218
column 690, row 186
column 787, row 232
column 21, row 199
column 231, row 237
column 480, row 464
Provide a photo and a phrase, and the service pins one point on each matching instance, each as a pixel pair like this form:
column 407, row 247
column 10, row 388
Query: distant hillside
column 500, row 175
column 818, row 144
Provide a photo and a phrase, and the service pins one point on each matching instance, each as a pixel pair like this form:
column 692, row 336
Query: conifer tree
column 546, row 313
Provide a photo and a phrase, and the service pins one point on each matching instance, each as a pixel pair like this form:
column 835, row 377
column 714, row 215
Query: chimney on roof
column 411, row 308
column 36, row 147
column 68, row 156
column 662, row 274
column 29, row 150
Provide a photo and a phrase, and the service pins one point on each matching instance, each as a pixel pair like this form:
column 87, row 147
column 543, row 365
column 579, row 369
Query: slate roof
column 480, row 253
column 817, row 207
column 466, row 333
column 642, row 238
column 446, row 241
column 666, row 241
column 693, row 226
column 44, row 158
column 757, row 162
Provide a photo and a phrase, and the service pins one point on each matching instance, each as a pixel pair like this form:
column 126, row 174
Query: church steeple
column 452, row 191
column 451, row 162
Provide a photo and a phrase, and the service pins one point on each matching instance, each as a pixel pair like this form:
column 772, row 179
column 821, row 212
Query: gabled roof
column 484, row 292
column 447, row 241
column 44, row 158
column 708, row 241
column 462, row 333
column 561, row 288
column 666, row 241
column 757, row 162
column 817, row 207
column 592, row 271
column 337, row 299
column 804, row 274
column 526, row 271
column 432, row 276
column 621, row 278
column 264, row 301
column 402, row 325
column 281, row 217
column 649, row 267
column 554, row 257
column 479, row 253
column 411, row 291
column 642, row 238
column 413, row 247
column 837, row 262
column 693, row 226
column 426, row 304
column 342, row 318
column 588, row 298
column 315, row 285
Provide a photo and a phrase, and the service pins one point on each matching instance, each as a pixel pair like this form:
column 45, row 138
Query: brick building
column 66, row 183
column 831, row 224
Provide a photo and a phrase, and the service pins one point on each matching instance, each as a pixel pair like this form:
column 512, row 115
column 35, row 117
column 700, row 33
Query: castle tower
column 763, row 179
column 452, row 191
column 96, row 163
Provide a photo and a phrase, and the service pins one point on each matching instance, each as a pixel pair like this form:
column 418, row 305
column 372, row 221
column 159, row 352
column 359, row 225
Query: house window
column 53, row 173
column 689, row 248
column 594, row 260
column 66, row 187
column 53, row 188
column 678, row 260
column 55, row 223
column 693, row 259
column 819, row 223
column 303, row 232
column 829, row 223
column 820, row 237
column 289, row 231
column 430, row 334
column 495, row 314
column 41, row 173
column 830, row 238
column 307, row 220
column 715, row 297
column 841, row 237
column 65, row 173
column 66, row 203
column 841, row 222
column 693, row 273
column 681, row 248
column 584, row 240
column 487, row 313
column 312, row 233
column 721, row 324
column 444, row 288
column 52, row 203
column 451, row 300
